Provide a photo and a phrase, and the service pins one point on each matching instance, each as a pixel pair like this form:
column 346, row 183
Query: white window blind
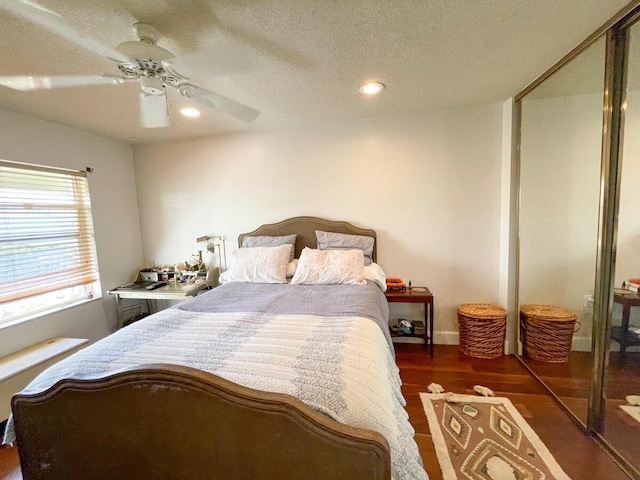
column 46, row 231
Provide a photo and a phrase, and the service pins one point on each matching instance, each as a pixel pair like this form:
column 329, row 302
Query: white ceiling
column 311, row 56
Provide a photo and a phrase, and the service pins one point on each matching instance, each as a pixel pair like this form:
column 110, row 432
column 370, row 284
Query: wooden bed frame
column 173, row 422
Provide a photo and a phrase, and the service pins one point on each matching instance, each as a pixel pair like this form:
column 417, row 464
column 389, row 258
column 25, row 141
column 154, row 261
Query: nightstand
column 621, row 334
column 424, row 296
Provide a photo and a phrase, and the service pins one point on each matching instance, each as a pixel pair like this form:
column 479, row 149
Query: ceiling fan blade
column 56, row 24
column 218, row 102
column 210, row 62
column 34, row 82
column 153, row 111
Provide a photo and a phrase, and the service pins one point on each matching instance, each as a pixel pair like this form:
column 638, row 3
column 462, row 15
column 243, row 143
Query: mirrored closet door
column 578, row 237
column 560, row 160
column 621, row 395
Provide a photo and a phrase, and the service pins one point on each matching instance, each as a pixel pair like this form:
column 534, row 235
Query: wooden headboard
column 306, row 228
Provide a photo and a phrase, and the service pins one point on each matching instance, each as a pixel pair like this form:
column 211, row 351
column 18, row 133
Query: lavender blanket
column 283, row 299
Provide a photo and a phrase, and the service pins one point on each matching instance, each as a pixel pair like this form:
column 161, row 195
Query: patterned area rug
column 632, row 410
column 485, row 438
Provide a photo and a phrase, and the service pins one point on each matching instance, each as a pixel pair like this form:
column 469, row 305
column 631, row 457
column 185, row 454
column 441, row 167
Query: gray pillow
column 344, row 241
column 267, row 241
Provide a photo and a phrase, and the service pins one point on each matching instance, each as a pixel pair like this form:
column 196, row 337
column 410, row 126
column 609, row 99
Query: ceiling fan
column 139, row 61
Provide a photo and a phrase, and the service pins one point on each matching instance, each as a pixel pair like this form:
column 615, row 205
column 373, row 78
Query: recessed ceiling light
column 190, row 112
column 371, row 88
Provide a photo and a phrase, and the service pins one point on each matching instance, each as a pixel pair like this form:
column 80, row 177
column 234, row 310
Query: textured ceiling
column 311, row 55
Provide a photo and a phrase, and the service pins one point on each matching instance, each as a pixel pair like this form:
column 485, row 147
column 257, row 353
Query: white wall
column 115, row 218
column 508, row 222
column 430, row 184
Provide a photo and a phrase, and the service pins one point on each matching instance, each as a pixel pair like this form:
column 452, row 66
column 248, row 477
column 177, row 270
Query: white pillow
column 291, row 268
column 330, row 267
column 375, row 273
column 258, row 265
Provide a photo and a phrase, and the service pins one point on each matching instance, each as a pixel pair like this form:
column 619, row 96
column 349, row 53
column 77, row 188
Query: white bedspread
column 341, row 366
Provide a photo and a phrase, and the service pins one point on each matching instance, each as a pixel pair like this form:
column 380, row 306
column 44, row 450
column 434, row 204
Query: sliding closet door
column 579, row 231
column 560, row 163
column 621, row 422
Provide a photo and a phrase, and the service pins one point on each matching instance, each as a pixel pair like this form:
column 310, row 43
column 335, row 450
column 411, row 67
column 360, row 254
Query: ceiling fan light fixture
column 190, row 112
column 152, row 85
column 371, row 88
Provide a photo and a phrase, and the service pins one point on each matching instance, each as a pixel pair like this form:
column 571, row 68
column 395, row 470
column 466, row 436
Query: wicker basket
column 482, row 329
column 547, row 332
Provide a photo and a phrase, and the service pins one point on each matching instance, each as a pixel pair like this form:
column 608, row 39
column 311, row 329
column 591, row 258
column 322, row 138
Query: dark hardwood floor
column 9, row 464
column 571, row 382
column 577, row 453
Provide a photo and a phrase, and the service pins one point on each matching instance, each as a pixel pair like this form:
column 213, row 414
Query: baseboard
column 446, row 338
column 581, row 344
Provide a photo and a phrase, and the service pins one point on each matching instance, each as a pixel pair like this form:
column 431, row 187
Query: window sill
column 28, row 318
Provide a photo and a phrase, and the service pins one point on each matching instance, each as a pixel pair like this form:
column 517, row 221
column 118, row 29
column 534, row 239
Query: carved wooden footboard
column 172, row 422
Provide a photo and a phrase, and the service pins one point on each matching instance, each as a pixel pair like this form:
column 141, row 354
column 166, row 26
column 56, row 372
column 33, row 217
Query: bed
column 248, row 381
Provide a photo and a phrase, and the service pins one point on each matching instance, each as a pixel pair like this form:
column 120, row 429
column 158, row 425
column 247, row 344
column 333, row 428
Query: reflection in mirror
column 561, row 136
column 622, row 373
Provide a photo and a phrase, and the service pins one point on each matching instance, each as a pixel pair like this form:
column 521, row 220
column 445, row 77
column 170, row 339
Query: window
column 47, row 246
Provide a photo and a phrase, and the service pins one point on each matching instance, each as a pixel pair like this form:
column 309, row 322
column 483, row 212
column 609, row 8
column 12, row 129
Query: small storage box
column 546, row 332
column 148, row 276
column 482, row 329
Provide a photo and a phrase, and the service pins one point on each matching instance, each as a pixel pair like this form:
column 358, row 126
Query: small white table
column 171, row 291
